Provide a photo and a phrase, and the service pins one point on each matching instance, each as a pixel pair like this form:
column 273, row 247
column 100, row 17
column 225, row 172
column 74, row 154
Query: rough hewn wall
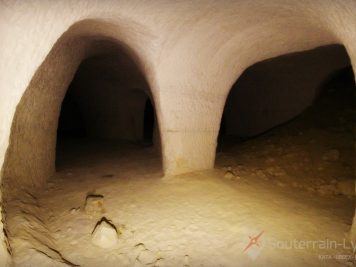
column 190, row 52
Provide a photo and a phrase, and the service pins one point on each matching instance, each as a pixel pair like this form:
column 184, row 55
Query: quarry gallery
column 177, row 133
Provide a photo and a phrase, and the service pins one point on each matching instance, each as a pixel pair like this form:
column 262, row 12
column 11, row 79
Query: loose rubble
column 105, row 234
column 94, row 204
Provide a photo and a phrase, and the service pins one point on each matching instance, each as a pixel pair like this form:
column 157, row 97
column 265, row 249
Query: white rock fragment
column 94, row 204
column 105, row 234
column 231, row 176
column 74, row 210
column 331, row 155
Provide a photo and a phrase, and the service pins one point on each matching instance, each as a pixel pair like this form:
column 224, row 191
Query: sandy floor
column 293, row 185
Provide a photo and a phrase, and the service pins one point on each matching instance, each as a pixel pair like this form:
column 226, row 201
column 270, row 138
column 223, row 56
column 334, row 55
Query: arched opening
column 269, row 93
column 288, row 137
column 104, row 105
column 78, row 130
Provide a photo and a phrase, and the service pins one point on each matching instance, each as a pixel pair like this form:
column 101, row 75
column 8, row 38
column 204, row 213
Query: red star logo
column 253, row 241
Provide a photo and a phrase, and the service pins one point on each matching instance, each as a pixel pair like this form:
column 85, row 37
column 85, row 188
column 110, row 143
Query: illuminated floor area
column 292, row 187
column 199, row 219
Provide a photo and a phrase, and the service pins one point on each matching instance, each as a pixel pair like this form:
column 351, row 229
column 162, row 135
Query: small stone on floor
column 105, row 234
column 94, row 204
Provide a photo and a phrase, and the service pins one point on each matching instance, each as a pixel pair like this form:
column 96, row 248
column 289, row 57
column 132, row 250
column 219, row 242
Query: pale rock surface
column 147, row 257
column 229, row 175
column 94, row 204
column 202, row 214
column 43, row 42
column 105, row 234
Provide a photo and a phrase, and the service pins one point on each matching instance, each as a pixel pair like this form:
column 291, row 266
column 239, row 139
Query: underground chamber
column 284, row 168
column 295, row 114
column 99, row 128
column 288, row 128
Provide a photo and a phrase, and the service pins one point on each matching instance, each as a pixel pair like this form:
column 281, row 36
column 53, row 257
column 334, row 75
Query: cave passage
column 178, row 133
column 83, row 137
column 106, row 113
column 286, row 154
column 303, row 139
column 149, row 122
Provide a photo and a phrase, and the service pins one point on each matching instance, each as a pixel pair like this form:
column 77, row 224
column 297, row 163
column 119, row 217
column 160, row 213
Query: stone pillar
column 189, row 125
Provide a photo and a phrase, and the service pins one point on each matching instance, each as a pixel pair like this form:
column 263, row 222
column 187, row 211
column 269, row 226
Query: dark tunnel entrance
column 288, row 127
column 77, row 138
column 149, row 123
column 290, row 120
column 106, row 107
column 71, row 122
column 272, row 92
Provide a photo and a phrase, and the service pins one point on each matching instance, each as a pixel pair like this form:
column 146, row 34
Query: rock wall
column 189, row 53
